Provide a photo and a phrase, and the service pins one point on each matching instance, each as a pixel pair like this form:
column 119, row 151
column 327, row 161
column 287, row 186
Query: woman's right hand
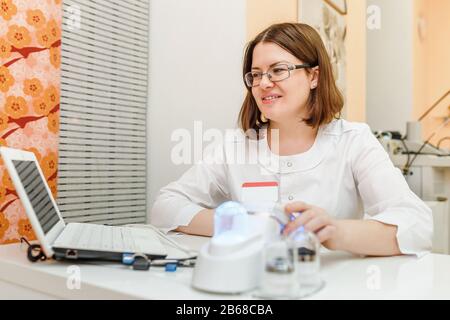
column 314, row 219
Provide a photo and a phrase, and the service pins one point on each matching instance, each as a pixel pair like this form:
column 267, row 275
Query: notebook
column 71, row 240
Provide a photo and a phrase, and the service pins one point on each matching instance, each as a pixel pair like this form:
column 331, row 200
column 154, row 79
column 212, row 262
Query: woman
column 333, row 171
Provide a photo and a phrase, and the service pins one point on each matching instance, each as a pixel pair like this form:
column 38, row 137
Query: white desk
column 346, row 277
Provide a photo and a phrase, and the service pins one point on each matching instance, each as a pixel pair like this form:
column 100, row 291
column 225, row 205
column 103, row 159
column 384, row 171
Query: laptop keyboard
column 109, row 238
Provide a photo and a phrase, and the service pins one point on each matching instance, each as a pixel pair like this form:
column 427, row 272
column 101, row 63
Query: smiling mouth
column 270, row 99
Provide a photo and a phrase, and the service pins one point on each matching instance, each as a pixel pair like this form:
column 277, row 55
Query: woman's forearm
column 202, row 224
column 366, row 237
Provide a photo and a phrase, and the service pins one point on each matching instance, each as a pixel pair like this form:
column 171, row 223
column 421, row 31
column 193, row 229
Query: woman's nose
column 265, row 82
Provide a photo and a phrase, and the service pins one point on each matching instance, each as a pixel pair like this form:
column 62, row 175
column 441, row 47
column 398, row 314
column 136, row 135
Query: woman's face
column 284, row 100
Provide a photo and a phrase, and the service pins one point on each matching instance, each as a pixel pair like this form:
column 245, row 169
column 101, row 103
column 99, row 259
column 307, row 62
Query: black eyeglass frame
column 291, row 67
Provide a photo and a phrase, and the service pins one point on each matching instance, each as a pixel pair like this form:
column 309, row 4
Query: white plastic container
column 232, row 262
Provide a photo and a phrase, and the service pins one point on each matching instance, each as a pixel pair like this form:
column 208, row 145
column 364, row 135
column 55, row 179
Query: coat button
column 291, row 198
column 289, row 164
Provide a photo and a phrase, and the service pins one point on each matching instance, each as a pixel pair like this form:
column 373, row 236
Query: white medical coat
column 346, row 172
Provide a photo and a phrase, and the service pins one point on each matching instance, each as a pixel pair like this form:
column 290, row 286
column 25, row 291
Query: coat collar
column 323, row 144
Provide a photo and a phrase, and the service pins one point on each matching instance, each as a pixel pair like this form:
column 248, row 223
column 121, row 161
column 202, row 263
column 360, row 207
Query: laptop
column 72, row 240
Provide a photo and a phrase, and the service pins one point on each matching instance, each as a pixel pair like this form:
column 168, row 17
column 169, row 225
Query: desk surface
column 346, row 277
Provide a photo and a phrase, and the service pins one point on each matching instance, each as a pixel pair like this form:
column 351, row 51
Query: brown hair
column 325, row 101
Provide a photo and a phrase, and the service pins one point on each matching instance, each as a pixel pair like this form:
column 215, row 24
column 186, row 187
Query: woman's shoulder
column 356, row 136
column 342, row 127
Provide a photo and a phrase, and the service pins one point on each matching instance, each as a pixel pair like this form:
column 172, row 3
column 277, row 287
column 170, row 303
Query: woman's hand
column 315, row 220
column 201, row 225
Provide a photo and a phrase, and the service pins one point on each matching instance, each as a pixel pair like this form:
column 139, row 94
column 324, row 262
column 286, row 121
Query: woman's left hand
column 315, row 220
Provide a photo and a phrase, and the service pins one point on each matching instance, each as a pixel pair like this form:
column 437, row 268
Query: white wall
column 191, row 41
column 390, row 67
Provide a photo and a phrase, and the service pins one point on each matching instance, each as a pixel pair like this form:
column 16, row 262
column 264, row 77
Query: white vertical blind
column 102, row 147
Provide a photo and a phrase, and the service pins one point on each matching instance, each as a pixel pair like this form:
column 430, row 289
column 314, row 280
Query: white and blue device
column 232, row 262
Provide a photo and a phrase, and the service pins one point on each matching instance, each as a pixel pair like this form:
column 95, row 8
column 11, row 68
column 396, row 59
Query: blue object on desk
column 128, row 259
column 171, row 267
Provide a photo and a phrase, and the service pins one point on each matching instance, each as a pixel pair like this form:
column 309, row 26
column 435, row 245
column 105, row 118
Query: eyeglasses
column 276, row 73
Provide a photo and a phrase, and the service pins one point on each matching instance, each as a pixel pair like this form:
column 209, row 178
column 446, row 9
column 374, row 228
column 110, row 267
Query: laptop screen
column 37, row 193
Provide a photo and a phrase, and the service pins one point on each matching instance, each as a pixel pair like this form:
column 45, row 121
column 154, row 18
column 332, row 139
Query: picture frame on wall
column 340, row 6
column 328, row 17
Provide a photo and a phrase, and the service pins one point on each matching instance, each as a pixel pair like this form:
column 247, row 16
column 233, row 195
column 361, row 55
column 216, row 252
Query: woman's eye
column 279, row 70
column 256, row 75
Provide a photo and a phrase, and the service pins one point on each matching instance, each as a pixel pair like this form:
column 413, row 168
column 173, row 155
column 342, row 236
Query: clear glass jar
column 279, row 279
column 305, row 250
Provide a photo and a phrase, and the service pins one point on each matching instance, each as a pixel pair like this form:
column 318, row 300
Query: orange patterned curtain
column 30, row 44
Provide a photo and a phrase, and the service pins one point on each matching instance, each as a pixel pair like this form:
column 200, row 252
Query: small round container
column 279, row 277
column 305, row 250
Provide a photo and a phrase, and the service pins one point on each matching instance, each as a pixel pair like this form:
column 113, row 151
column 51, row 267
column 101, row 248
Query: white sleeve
column 387, row 197
column 203, row 186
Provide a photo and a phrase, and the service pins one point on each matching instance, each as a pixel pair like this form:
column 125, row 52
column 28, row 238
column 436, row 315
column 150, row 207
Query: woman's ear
column 314, row 77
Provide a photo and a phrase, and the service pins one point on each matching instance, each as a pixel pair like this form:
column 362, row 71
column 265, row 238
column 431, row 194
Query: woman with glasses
column 332, row 171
